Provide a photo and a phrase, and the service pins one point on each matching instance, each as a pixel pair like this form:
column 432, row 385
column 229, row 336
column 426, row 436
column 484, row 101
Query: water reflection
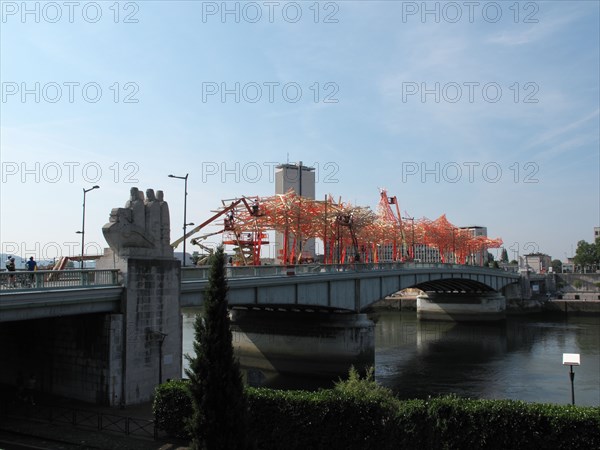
column 520, row 358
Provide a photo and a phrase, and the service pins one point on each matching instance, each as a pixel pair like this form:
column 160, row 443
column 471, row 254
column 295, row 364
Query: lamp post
column 82, row 232
column 412, row 219
column 571, row 359
column 185, row 224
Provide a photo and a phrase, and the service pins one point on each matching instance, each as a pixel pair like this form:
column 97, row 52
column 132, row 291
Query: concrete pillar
column 152, row 328
column 461, row 307
column 318, row 344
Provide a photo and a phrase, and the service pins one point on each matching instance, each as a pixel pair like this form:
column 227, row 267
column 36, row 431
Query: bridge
column 342, row 288
column 109, row 336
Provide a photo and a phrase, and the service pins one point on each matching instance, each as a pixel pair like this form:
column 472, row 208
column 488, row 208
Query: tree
column 586, row 254
column 504, row 256
column 219, row 418
column 195, row 258
column 556, row 266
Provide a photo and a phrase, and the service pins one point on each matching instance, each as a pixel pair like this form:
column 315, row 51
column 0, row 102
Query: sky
column 488, row 112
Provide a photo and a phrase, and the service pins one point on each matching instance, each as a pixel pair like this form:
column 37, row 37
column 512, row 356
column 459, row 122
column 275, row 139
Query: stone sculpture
column 141, row 228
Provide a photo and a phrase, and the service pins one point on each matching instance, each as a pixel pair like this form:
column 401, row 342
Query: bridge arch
column 456, row 285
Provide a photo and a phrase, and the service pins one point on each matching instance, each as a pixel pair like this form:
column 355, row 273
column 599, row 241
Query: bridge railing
column 57, row 279
column 201, row 272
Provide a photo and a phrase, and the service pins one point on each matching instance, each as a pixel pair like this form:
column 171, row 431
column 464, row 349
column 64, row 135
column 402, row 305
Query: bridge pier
column 151, row 339
column 461, row 307
column 306, row 343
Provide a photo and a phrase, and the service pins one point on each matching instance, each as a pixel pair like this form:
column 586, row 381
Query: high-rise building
column 479, row 256
column 301, row 180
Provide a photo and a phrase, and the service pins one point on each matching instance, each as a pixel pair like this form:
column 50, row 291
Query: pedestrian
column 31, row 267
column 10, row 266
column 31, row 264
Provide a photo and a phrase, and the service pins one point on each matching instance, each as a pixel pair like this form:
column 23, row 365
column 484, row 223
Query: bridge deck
column 351, row 287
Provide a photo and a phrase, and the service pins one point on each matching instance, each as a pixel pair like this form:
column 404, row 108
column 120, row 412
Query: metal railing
column 58, row 279
column 201, row 272
column 78, row 278
column 86, row 419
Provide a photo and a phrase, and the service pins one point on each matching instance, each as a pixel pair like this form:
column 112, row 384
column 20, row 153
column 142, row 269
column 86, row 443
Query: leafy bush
column 365, row 388
column 359, row 414
column 499, row 424
column 172, row 406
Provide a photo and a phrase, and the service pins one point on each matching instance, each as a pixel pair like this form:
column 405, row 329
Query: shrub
column 172, row 406
column 359, row 414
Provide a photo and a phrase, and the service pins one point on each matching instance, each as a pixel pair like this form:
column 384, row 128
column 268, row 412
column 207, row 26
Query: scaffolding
column 349, row 233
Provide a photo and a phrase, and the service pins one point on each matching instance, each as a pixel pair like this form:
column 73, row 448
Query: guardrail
column 201, row 272
column 57, row 279
column 86, row 419
column 78, row 278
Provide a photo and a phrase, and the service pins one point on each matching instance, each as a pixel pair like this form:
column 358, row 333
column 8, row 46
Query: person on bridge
column 31, row 267
column 10, row 266
column 31, row 264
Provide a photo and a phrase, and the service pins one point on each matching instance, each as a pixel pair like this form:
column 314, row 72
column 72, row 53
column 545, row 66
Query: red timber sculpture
column 349, row 233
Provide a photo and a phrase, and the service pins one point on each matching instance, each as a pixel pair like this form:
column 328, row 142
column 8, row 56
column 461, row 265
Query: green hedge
column 172, row 406
column 349, row 419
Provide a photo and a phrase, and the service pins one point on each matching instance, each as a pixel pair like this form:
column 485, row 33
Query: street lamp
column 412, row 219
column 82, row 232
column 185, row 224
column 571, row 359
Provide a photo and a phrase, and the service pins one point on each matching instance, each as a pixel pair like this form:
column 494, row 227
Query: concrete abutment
column 461, row 307
column 306, row 343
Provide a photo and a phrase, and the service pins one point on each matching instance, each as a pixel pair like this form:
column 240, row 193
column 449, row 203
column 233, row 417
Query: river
column 520, row 358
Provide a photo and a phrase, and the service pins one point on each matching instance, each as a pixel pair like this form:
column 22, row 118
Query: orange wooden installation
column 349, row 233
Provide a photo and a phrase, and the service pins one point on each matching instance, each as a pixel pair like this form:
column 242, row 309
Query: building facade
column 301, row 180
column 536, row 263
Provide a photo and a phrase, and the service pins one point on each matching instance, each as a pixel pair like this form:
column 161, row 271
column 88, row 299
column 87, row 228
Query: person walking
column 10, row 266
column 31, row 267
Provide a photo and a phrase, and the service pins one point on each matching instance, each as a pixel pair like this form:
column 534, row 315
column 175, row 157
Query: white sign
column 571, row 359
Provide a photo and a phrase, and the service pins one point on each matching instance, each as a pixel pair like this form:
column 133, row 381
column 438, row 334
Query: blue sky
column 490, row 115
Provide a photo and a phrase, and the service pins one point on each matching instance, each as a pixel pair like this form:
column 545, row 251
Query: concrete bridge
column 350, row 288
column 109, row 336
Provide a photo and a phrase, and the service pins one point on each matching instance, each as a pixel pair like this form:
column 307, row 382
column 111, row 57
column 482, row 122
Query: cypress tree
column 217, row 390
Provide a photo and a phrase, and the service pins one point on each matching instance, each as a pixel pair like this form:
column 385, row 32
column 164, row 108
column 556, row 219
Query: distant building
column 535, row 262
column 478, row 257
column 300, row 179
column 596, row 233
column 509, row 267
column 568, row 267
column 426, row 254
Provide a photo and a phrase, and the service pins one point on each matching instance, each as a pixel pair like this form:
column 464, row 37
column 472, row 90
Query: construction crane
column 234, row 230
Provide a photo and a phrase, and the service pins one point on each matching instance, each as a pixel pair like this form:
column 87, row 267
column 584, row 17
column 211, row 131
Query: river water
column 520, row 358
